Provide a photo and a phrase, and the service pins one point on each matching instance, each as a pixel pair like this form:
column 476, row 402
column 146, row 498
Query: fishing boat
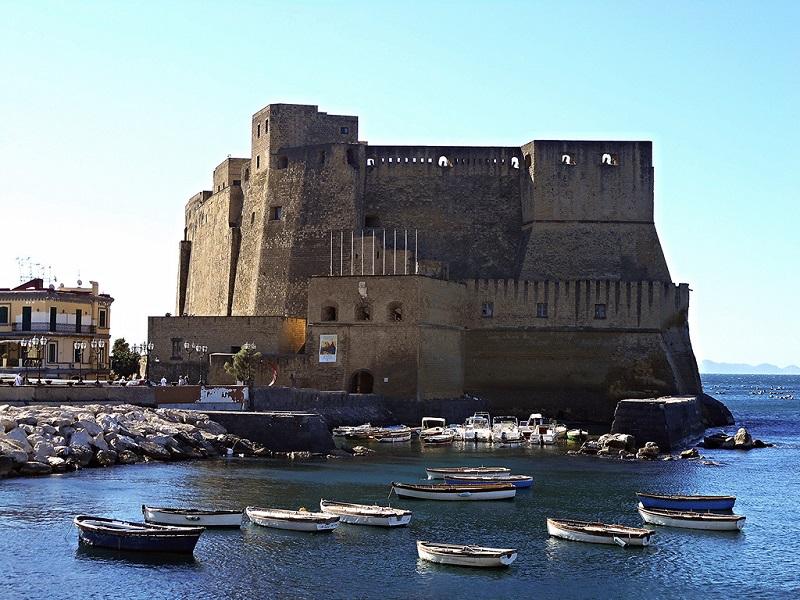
column 365, row 514
column 393, row 434
column 435, row 431
column 679, row 502
column 443, row 491
column 577, row 435
column 505, row 430
column 691, row 520
column 296, row 520
column 440, row 472
column 143, row 537
column 518, row 481
column 539, row 432
column 465, row 556
column 192, row 517
column 344, row 430
column 598, row 533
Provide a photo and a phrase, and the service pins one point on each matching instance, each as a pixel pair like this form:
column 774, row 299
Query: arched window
column 444, row 161
column 609, row 159
column 363, row 312
column 283, row 162
column 329, row 313
column 568, row 158
column 514, row 162
column 396, row 311
column 361, row 382
column 370, row 162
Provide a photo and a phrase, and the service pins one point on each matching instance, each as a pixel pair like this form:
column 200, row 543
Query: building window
column 609, row 159
column 568, row 158
column 237, row 182
column 283, row 162
column 176, row 347
column 77, row 356
column 599, row 311
column 266, row 125
column 52, row 353
column 258, row 161
column 329, row 313
column 78, row 319
column 275, row 213
column 3, row 315
column 372, row 222
column 541, row 310
column 258, row 130
column 103, row 319
column 396, row 311
column 363, row 313
column 487, row 309
column 344, row 130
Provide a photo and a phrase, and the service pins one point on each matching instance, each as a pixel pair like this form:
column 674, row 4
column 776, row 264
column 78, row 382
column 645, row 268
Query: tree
column 124, row 361
column 243, row 364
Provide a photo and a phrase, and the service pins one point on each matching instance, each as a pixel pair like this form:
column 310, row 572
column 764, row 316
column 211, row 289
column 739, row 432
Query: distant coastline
column 711, row 367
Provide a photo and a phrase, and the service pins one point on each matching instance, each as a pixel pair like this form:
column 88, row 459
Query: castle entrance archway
column 361, row 382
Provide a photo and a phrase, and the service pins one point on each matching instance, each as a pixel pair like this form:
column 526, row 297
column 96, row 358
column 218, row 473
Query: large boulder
column 742, row 440
column 154, row 451
column 20, row 436
column 33, row 467
column 649, row 451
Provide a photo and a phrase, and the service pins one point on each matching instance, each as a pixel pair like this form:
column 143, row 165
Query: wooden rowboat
column 518, row 481
column 679, row 502
column 692, row 520
column 143, row 537
column 364, row 514
column 439, row 473
column 191, row 517
column 598, row 533
column 442, row 491
column 466, row 556
column 295, row 520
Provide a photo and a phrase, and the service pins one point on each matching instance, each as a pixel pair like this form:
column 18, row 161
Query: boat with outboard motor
column 598, row 533
column 365, row 514
column 465, row 556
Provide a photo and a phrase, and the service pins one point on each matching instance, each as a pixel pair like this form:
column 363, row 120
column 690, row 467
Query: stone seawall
column 342, row 408
column 670, row 422
column 278, row 431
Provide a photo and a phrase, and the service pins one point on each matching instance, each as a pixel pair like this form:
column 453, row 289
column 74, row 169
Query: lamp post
column 40, row 344
column 24, row 344
column 189, row 347
column 79, row 348
column 202, row 351
column 97, row 348
column 144, row 349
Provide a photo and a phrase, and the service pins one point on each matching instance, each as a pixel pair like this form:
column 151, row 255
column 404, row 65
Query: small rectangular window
column 52, row 353
column 237, row 182
column 176, row 347
column 275, row 213
column 541, row 310
column 344, row 130
column 599, row 311
column 102, row 319
column 258, row 130
column 487, row 309
column 3, row 315
column 258, row 161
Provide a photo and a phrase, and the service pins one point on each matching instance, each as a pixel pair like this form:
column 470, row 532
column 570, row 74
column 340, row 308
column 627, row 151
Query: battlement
column 440, row 159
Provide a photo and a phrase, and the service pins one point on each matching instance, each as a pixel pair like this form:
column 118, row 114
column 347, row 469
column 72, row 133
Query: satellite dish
column 80, row 282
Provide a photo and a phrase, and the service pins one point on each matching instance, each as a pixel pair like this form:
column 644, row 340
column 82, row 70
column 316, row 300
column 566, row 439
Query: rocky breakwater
column 39, row 440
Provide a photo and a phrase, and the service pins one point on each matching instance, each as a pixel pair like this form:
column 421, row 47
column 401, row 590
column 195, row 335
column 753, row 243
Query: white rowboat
column 598, row 533
column 191, row 517
column 691, row 520
column 441, row 491
column 439, row 473
column 466, row 556
column 518, row 481
column 296, row 520
column 364, row 514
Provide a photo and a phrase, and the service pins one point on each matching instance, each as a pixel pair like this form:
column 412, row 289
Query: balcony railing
column 60, row 328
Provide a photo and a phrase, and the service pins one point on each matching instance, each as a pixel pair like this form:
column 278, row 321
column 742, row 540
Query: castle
column 532, row 276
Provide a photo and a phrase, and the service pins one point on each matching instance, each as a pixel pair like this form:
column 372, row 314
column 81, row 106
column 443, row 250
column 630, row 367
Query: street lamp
column 79, row 348
column 97, row 348
column 201, row 350
column 144, row 349
column 25, row 344
column 40, row 344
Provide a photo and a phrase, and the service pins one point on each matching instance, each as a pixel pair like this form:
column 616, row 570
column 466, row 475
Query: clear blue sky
column 113, row 114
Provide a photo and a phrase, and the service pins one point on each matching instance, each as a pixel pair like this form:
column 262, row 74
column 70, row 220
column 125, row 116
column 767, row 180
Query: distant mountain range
column 709, row 366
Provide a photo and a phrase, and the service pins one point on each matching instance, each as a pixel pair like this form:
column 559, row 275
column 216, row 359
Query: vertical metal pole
column 352, row 251
column 405, row 252
column 341, row 252
column 331, row 269
column 384, row 252
column 394, row 267
column 416, row 252
column 362, row 251
column 373, row 252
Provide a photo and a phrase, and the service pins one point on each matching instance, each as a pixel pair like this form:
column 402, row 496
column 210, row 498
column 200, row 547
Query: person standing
column 18, row 379
column 163, row 382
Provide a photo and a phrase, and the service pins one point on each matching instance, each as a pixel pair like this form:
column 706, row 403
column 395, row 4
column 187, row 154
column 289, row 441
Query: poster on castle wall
column 327, row 348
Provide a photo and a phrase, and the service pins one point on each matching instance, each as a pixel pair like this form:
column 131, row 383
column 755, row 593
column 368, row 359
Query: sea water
column 41, row 556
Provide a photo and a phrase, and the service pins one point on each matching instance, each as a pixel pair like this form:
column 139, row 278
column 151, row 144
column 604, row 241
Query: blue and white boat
column 142, row 537
column 680, row 502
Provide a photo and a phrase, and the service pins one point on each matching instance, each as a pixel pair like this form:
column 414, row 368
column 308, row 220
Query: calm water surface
column 42, row 558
